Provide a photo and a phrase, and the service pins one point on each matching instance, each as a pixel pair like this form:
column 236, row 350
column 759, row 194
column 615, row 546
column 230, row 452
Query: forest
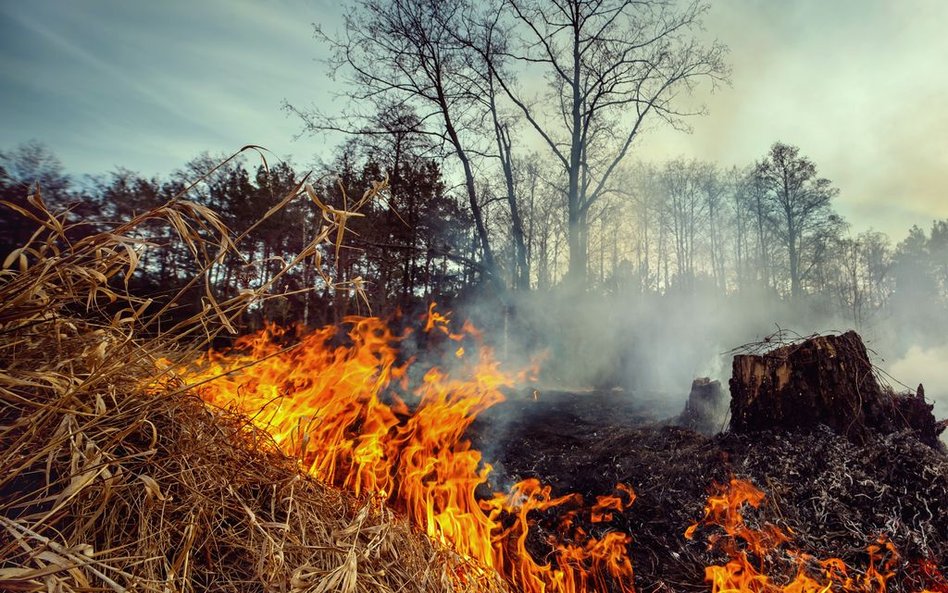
column 509, row 140
column 676, row 229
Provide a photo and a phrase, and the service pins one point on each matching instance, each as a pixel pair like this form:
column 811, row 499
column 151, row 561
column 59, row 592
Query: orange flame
column 356, row 415
column 742, row 543
column 934, row 580
column 600, row 511
column 338, row 404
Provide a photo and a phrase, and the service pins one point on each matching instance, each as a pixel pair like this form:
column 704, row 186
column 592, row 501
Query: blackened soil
column 835, row 497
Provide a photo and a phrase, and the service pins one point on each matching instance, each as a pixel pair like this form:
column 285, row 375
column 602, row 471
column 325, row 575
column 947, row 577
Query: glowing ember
column 339, row 405
column 937, row 583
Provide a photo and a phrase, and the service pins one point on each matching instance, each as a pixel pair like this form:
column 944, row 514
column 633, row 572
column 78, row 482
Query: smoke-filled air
column 512, row 296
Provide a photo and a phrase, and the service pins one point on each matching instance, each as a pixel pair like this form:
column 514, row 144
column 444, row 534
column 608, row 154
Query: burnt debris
column 841, row 459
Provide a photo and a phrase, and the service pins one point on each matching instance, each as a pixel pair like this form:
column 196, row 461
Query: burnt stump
column 706, row 408
column 825, row 380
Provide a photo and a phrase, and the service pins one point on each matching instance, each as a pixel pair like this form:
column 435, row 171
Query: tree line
column 481, row 81
column 412, row 246
column 507, row 131
column 688, row 227
column 535, row 108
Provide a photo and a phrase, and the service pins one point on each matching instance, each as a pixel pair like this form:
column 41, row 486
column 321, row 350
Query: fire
column 930, row 574
column 356, row 415
column 604, row 504
column 361, row 416
column 582, row 562
column 744, row 545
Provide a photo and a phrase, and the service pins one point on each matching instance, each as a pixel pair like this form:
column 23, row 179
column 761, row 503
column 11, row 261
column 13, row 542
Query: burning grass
column 107, row 484
column 359, row 416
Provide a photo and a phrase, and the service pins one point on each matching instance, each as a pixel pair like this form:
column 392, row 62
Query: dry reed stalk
column 114, row 478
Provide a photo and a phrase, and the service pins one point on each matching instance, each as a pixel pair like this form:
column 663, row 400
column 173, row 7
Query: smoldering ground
column 647, row 348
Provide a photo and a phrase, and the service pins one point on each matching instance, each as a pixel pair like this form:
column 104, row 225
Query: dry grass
column 107, row 484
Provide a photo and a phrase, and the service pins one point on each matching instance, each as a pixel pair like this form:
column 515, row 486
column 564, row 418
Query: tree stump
column 825, row 380
column 706, row 407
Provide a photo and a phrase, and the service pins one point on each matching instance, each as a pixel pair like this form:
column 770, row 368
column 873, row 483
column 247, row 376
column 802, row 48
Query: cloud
column 135, row 84
column 854, row 83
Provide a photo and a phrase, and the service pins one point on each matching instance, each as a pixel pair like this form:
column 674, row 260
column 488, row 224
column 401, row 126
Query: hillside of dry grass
column 113, row 477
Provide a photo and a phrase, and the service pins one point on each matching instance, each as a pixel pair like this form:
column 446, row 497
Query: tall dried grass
column 114, row 478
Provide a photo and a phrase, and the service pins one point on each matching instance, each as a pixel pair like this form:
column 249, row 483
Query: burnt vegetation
column 835, row 496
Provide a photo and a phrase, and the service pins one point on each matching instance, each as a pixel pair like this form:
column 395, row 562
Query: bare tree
column 642, row 186
column 713, row 188
column 611, row 65
column 22, row 170
column 406, row 53
column 741, row 223
column 762, row 210
column 542, row 198
column 687, row 211
column 490, row 39
column 877, row 261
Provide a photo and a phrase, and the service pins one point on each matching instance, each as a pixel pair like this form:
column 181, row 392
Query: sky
column 859, row 85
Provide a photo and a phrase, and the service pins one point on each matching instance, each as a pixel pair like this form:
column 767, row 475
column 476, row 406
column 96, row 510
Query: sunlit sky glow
column 859, row 85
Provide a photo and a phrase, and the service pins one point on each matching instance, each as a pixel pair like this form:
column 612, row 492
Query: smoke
column 652, row 346
column 649, row 346
column 928, row 366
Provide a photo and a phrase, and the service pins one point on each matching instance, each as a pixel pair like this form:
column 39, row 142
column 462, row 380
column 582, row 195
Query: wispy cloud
column 211, row 75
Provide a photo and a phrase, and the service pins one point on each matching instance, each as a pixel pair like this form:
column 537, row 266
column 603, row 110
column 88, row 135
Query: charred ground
column 835, row 496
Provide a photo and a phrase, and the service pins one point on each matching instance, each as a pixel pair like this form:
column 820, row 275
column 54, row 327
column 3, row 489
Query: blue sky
column 148, row 85
column 859, row 85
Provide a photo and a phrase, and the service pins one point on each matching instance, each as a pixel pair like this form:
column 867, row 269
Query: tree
column 916, row 304
column 611, row 65
column 682, row 181
column 801, row 207
column 742, row 222
column 408, row 246
column 877, row 262
column 124, row 195
column 406, row 53
column 938, row 251
column 713, row 189
column 542, row 198
column 485, row 39
column 23, row 170
column 762, row 210
column 862, row 282
column 32, row 164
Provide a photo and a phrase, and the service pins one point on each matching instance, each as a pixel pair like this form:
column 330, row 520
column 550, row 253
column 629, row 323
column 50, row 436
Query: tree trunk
column 489, row 262
column 706, row 408
column 576, row 274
